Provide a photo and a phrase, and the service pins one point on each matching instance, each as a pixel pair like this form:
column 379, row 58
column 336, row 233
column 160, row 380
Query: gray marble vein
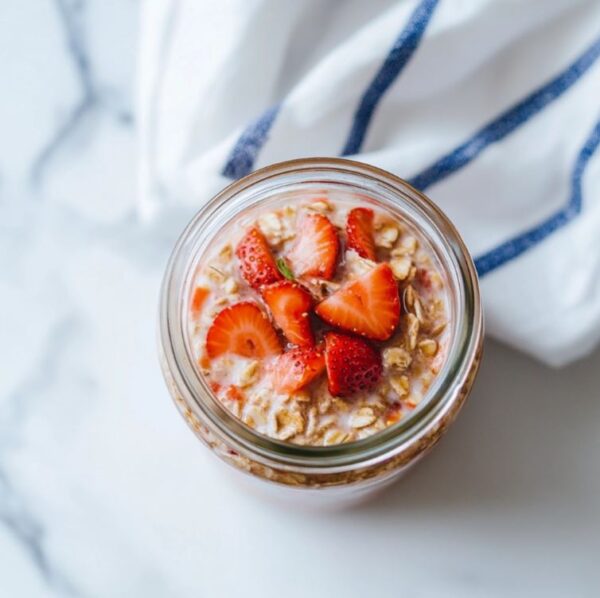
column 43, row 375
column 28, row 533
column 18, row 517
column 71, row 14
column 33, row 377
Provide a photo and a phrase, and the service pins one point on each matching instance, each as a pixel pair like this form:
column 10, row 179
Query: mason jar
column 343, row 471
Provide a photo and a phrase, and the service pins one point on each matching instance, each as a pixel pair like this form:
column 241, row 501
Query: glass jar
column 352, row 468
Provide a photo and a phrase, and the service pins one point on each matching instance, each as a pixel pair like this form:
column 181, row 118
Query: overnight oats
column 320, row 324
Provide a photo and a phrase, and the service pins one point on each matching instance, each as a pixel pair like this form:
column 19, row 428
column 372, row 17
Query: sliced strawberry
column 290, row 304
column 257, row 265
column 243, row 329
column 235, row 393
column 353, row 365
column 297, row 368
column 359, row 233
column 204, row 361
column 198, row 300
column 315, row 252
column 369, row 305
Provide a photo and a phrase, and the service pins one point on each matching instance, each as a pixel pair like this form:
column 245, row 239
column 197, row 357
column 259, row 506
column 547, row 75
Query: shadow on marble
column 515, row 442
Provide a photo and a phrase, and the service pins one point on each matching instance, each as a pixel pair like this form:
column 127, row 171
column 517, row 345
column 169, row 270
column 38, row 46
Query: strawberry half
column 257, row 265
column 243, row 329
column 353, row 365
column 290, row 305
column 359, row 233
column 369, row 305
column 315, row 252
column 297, row 368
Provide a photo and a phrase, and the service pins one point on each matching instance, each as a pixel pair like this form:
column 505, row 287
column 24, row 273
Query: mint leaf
column 284, row 269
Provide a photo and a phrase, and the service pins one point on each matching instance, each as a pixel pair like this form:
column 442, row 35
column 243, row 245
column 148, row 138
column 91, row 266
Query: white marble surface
column 104, row 492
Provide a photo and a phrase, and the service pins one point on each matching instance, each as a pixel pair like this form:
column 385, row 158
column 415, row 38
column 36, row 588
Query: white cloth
column 490, row 106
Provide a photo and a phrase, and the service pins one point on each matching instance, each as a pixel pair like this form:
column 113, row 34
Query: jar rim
column 379, row 446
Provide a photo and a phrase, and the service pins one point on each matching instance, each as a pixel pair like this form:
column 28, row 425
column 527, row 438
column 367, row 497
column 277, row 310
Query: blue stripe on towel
column 507, row 122
column 243, row 155
column 511, row 249
column 403, row 48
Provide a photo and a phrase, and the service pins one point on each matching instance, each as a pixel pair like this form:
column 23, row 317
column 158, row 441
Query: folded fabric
column 491, row 107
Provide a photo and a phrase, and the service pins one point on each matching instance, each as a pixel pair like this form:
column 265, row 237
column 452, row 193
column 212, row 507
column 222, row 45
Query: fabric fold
column 490, row 107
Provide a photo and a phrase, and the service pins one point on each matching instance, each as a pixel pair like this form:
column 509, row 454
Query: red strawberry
column 257, row 265
column 204, row 361
column 369, row 305
column 290, row 303
column 297, row 368
column 235, row 393
column 352, row 364
column 315, row 252
column 359, row 233
column 243, row 329
column 199, row 298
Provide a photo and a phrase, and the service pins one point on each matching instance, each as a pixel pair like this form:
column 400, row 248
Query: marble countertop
column 105, row 492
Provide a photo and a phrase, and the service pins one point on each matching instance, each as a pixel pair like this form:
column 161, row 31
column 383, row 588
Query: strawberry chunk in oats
column 369, row 305
column 257, row 265
column 315, row 252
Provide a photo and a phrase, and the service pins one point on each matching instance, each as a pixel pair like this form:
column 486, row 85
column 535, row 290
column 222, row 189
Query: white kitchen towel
column 491, row 107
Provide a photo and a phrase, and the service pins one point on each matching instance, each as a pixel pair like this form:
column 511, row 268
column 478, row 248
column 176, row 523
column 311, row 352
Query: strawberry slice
column 243, row 329
column 257, row 265
column 369, row 305
column 199, row 298
column 359, row 233
column 290, row 304
column 315, row 252
column 235, row 393
column 297, row 368
column 353, row 365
